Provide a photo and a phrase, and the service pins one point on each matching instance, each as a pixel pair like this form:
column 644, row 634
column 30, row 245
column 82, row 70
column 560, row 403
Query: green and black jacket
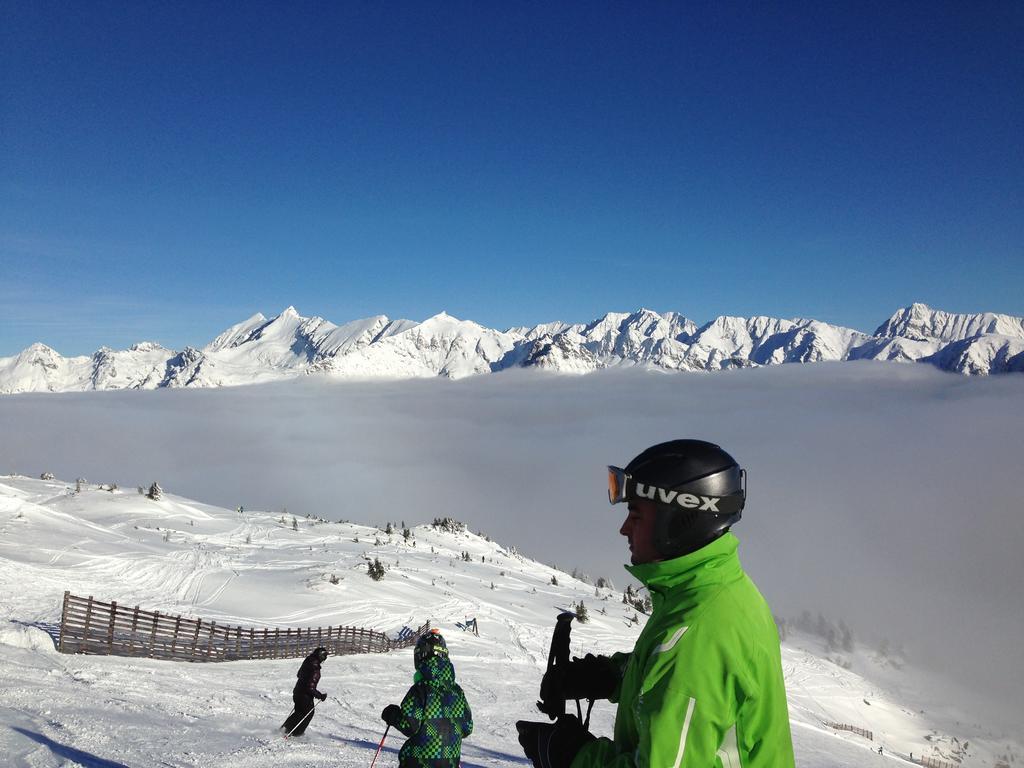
column 703, row 686
column 435, row 717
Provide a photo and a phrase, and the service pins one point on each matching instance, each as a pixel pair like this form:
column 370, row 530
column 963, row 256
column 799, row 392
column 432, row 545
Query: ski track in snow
column 107, row 712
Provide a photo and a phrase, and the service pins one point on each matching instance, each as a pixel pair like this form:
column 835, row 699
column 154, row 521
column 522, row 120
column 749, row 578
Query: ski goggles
column 622, row 487
column 617, row 482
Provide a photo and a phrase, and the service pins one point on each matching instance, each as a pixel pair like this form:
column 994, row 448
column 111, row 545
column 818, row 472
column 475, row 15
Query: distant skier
column 434, row 714
column 304, row 692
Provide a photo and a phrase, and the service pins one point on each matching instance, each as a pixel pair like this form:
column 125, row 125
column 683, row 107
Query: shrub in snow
column 46, row 476
column 295, row 524
column 554, row 580
column 376, row 570
column 582, row 615
column 334, row 579
column 155, row 492
column 406, row 533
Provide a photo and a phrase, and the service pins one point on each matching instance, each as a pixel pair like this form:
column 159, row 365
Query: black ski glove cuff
column 391, row 715
column 553, row 745
column 592, row 677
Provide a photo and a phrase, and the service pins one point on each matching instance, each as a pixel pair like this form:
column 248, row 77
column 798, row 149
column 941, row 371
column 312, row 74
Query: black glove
column 391, row 715
column 553, row 745
column 321, row 696
column 592, row 677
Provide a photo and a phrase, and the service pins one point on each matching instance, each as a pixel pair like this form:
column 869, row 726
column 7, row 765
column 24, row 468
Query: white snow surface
column 290, row 345
column 251, row 568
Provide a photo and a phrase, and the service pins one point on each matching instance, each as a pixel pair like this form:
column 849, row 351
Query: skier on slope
column 703, row 685
column 304, row 692
column 434, row 714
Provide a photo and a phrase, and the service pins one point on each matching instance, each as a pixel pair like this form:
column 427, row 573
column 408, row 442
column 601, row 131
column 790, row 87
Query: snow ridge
column 289, row 345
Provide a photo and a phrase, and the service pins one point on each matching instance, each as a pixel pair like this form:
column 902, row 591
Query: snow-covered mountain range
column 269, row 569
column 261, row 349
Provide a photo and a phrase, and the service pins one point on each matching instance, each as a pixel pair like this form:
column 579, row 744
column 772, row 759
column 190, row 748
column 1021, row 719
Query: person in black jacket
column 304, row 693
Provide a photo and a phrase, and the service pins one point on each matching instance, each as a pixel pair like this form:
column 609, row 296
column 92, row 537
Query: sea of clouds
column 889, row 496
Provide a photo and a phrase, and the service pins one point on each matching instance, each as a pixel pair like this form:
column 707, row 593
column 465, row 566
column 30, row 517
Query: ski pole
column 308, row 714
column 381, row 745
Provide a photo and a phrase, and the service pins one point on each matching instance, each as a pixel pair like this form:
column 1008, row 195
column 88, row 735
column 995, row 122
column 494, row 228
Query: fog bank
column 886, row 495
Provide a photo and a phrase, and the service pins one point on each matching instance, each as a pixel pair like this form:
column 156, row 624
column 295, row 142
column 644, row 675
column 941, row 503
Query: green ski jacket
column 703, row 686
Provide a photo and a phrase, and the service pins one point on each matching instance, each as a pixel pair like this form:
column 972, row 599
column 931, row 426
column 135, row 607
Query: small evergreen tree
column 582, row 615
column 389, row 529
column 376, row 570
column 155, row 492
column 554, row 580
column 295, row 524
column 406, row 533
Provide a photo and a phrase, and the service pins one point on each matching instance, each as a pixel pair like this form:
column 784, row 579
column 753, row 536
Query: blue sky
column 168, row 169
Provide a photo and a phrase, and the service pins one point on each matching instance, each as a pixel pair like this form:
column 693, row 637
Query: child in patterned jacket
column 434, row 714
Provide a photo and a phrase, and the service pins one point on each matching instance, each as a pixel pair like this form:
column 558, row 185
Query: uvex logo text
column 685, row 500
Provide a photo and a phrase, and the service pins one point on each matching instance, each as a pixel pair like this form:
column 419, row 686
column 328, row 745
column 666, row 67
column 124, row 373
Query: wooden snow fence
column 869, row 735
column 93, row 627
column 931, row 762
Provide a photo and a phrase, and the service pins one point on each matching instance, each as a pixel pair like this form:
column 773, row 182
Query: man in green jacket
column 703, row 685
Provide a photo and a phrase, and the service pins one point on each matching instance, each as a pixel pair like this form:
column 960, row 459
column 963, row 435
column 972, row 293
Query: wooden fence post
column 152, row 637
column 174, row 640
column 209, row 643
column 135, row 627
column 63, row 618
column 195, row 639
column 110, row 627
column 85, row 631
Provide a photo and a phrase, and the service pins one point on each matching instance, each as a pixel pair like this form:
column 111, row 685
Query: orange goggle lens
column 616, row 485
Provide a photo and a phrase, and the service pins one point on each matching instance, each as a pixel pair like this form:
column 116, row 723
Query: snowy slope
column 253, row 568
column 289, row 345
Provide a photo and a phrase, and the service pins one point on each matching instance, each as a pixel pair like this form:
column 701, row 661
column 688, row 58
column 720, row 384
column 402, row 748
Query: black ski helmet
column 698, row 489
column 321, row 653
column 429, row 644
